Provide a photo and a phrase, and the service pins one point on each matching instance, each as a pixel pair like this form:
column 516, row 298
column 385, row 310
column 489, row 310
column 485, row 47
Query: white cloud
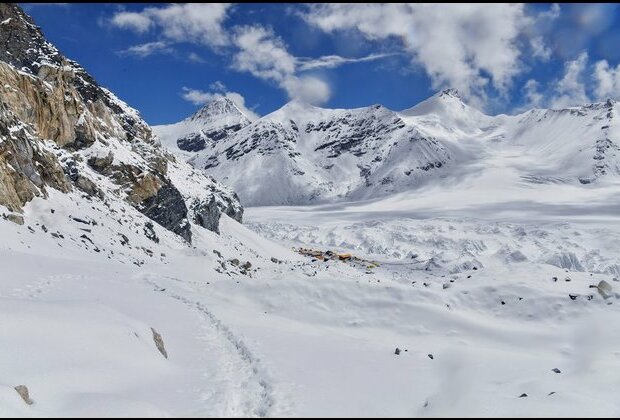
column 199, row 97
column 217, row 86
column 607, row 80
column 467, row 46
column 147, row 49
column 307, row 88
column 540, row 49
column 332, row 61
column 262, row 54
column 257, row 49
column 134, row 21
column 265, row 56
column 195, row 58
column 571, row 89
column 581, row 83
column 190, row 22
column 533, row 97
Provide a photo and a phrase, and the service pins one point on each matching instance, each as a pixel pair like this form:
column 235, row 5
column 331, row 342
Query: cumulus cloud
column 137, row 22
column 307, row 88
column 607, row 80
column 148, row 49
column 265, row 56
column 254, row 49
column 580, row 83
column 467, row 46
column 199, row 97
column 531, row 92
column 571, row 89
column 191, row 22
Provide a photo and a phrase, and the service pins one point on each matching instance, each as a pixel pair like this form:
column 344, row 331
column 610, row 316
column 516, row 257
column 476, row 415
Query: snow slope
column 296, row 337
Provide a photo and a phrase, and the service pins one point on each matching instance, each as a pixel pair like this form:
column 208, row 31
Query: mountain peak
column 218, row 106
column 450, row 92
column 24, row 46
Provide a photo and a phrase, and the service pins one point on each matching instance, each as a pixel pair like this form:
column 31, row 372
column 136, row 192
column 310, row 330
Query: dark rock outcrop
column 192, row 142
column 168, row 209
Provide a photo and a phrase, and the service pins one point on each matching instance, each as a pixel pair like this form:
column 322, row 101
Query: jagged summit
column 217, row 107
column 216, row 120
column 23, row 43
column 450, row 92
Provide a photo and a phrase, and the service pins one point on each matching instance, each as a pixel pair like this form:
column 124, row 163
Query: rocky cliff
column 59, row 129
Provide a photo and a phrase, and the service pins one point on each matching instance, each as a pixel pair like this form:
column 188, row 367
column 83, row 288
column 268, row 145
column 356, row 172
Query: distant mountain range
column 302, row 154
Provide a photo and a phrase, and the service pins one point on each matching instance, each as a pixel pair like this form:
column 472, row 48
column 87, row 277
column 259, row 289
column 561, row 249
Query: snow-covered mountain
column 303, row 154
column 60, row 130
column 217, row 120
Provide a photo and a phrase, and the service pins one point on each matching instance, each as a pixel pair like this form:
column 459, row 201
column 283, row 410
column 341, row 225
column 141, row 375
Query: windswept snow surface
column 474, row 288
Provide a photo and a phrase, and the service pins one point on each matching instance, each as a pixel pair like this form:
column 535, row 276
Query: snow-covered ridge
column 215, row 121
column 302, row 154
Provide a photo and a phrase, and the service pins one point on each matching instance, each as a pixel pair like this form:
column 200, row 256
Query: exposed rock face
column 206, row 213
column 192, row 142
column 60, row 129
column 25, row 167
column 168, row 209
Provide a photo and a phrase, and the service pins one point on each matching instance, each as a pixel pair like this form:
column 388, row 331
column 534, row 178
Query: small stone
column 567, row 279
column 397, row 351
column 604, row 289
column 446, row 286
column 430, row 356
column 22, row 390
column 554, row 279
column 159, row 343
column 234, row 261
column 523, row 395
column 503, row 303
column 551, row 393
column 573, row 297
column 556, row 370
column 15, row 218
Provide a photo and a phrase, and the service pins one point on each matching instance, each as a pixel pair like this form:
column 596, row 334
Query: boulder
column 23, row 392
column 159, row 343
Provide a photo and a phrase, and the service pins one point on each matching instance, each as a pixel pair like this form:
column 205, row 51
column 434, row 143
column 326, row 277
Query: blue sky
column 165, row 60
